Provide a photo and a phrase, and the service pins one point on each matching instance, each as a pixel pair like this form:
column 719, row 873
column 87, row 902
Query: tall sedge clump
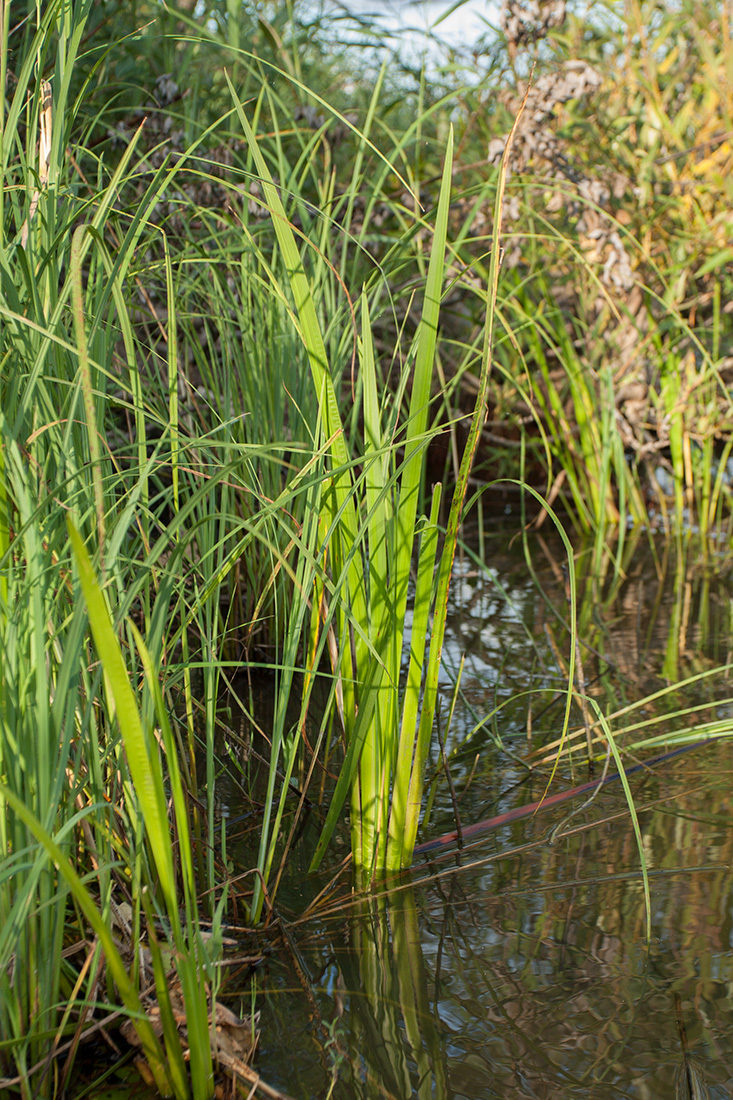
column 372, row 538
column 83, row 790
column 39, row 677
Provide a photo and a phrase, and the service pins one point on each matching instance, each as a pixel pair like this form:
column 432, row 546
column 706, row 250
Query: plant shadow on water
column 519, row 966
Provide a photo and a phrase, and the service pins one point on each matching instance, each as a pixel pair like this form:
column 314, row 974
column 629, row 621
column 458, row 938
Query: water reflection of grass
column 534, row 957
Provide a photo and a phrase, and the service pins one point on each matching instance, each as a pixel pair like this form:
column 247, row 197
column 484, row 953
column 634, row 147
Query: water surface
column 520, row 966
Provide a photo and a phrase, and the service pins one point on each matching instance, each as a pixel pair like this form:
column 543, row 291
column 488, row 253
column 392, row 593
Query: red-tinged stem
column 489, row 823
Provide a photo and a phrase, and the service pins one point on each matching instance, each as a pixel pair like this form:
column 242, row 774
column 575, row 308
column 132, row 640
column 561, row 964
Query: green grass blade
column 416, row 442
column 419, row 636
column 144, row 765
column 130, row 999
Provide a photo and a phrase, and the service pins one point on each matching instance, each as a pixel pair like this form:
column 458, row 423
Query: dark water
column 520, row 967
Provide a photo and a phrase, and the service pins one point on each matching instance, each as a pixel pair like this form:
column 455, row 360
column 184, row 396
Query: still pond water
column 519, row 966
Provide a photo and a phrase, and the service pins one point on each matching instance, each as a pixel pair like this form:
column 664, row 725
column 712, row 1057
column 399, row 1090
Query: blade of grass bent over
column 146, row 778
column 313, row 341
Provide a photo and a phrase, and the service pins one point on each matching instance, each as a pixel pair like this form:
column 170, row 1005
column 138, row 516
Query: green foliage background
column 156, row 392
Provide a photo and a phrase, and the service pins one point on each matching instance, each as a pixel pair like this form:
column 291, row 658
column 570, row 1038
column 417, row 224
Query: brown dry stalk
column 45, row 126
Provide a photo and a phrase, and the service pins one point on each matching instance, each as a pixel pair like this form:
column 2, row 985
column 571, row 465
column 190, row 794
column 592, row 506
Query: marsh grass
column 617, row 370
column 82, row 834
column 171, row 426
column 233, row 318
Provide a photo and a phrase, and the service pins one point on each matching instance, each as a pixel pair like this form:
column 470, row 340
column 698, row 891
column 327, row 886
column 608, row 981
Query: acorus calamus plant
column 370, row 538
